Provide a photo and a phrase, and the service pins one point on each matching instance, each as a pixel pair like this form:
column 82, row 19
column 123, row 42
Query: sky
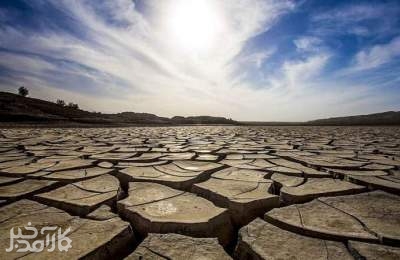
column 250, row 60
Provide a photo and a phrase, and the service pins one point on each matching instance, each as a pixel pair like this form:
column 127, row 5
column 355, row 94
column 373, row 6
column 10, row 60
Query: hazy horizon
column 249, row 60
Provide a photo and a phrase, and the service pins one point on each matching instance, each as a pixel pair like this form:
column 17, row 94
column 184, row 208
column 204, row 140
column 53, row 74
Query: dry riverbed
column 201, row 192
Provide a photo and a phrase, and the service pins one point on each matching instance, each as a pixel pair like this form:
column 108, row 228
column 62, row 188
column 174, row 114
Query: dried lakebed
column 205, row 192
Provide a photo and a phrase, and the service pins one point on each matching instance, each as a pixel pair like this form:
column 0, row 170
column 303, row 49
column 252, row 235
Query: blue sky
column 245, row 59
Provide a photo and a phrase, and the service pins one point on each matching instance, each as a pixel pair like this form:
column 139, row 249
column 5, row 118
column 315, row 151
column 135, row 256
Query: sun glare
column 194, row 24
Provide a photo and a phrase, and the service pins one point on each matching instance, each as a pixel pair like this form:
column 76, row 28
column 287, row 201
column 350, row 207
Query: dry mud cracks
column 205, row 192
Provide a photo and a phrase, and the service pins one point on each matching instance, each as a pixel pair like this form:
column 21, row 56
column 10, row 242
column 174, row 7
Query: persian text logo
column 51, row 239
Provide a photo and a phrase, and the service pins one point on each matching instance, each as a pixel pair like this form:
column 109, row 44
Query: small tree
column 73, row 105
column 60, row 102
column 23, row 91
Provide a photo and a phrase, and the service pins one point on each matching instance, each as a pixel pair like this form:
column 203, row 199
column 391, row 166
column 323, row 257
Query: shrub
column 73, row 105
column 60, row 102
column 23, row 91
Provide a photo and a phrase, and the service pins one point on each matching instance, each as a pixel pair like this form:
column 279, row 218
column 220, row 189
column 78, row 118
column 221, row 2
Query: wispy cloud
column 299, row 72
column 377, row 55
column 257, row 58
column 114, row 56
column 122, row 43
column 361, row 19
column 308, row 43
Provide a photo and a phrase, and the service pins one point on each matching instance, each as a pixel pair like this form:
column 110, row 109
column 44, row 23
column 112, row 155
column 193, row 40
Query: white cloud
column 257, row 58
column 138, row 50
column 308, row 43
column 361, row 19
column 297, row 73
column 377, row 55
column 128, row 60
column 356, row 12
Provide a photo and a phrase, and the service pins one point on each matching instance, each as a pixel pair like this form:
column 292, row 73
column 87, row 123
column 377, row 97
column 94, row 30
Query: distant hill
column 385, row 118
column 25, row 110
column 201, row 120
column 17, row 109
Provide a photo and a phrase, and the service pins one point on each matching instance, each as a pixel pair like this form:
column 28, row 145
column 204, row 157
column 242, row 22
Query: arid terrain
column 205, row 192
column 21, row 111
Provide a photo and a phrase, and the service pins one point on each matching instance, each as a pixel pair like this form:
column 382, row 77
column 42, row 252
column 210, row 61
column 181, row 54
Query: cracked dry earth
column 205, row 192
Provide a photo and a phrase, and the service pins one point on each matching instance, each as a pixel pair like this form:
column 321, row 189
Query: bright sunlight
column 194, row 24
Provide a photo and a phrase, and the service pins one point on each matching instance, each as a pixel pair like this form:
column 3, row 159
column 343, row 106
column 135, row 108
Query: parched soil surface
column 205, row 192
